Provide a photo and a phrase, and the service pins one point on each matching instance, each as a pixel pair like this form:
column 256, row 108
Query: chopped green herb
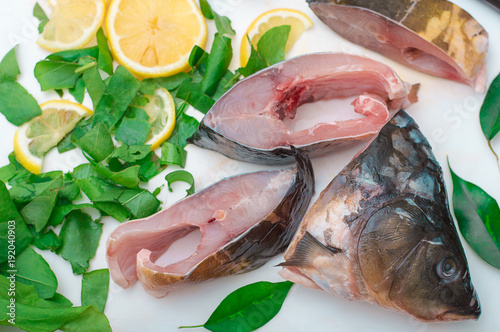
column 56, row 74
column 173, row 155
column 97, row 143
column 78, row 91
column 80, row 237
column 194, row 96
column 217, row 64
column 183, row 176
column 38, row 211
column 271, row 45
column 16, row 104
column 9, row 69
column 104, row 60
column 47, row 241
column 41, row 16
column 133, row 131
column 95, row 285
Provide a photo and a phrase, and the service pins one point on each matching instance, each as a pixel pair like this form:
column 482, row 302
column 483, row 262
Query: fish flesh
column 382, row 232
column 244, row 220
column 247, row 122
column 436, row 37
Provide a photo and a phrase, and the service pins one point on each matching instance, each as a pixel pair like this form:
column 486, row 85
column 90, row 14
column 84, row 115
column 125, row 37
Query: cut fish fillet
column 244, row 221
column 247, row 123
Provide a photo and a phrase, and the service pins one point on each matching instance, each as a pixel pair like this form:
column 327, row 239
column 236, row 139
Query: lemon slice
column 154, row 38
column 298, row 21
column 36, row 137
column 161, row 111
column 72, row 24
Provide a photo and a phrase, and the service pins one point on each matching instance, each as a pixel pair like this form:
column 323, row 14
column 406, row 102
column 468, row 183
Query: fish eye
column 447, row 268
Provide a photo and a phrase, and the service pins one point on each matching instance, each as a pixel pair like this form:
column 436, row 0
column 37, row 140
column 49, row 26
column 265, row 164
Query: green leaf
column 105, row 59
column 271, row 45
column 13, row 230
column 150, row 166
column 198, row 58
column 32, row 269
column 226, row 82
column 173, row 82
column 80, row 236
column 183, row 176
column 56, row 74
column 173, row 155
column 9, row 67
column 254, row 64
column 128, row 177
column 16, row 104
column 97, row 143
column 7, row 172
column 94, row 84
column 194, row 96
column 41, row 16
column 47, row 241
column 34, row 314
column 185, row 127
column 133, row 131
column 217, row 64
column 95, row 285
column 131, row 153
column 38, row 211
column 120, row 91
column 78, row 91
column 206, row 10
column 26, row 189
column 60, row 301
column 140, row 203
column 61, row 211
column 74, row 55
column 489, row 114
column 478, row 217
column 239, row 310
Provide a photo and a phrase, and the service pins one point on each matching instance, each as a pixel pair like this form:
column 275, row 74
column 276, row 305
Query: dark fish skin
column 433, row 36
column 386, row 223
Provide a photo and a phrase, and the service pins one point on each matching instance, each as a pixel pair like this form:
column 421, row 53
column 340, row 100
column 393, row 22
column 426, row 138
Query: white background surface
column 447, row 114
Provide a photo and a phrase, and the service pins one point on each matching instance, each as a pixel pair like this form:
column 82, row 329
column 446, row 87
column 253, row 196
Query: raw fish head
column 382, row 232
column 415, row 266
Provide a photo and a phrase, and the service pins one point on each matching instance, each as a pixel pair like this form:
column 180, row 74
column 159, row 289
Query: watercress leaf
column 206, row 9
column 489, row 115
column 173, row 82
column 136, row 113
column 26, row 189
column 7, row 172
column 65, row 144
column 185, row 127
column 34, row 314
column 38, row 211
column 78, row 91
column 47, row 241
column 74, row 55
column 80, row 237
column 173, row 155
column 271, row 45
column 133, row 131
column 148, row 86
column 61, row 211
column 95, row 285
column 9, row 67
column 120, row 91
column 97, row 143
column 150, row 166
column 183, row 176
column 105, row 59
column 238, row 310
column 70, row 190
column 223, row 24
column 194, row 96
column 32, row 269
column 16, row 104
column 56, row 74
column 41, row 16
column 218, row 61
column 478, row 217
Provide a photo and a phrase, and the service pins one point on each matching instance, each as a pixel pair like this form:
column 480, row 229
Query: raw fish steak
column 433, row 36
column 247, row 122
column 382, row 232
column 244, row 220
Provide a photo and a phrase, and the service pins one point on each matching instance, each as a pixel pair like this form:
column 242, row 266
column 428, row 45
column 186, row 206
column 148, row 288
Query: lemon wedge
column 161, row 111
column 36, row 137
column 298, row 21
column 72, row 24
column 154, row 38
